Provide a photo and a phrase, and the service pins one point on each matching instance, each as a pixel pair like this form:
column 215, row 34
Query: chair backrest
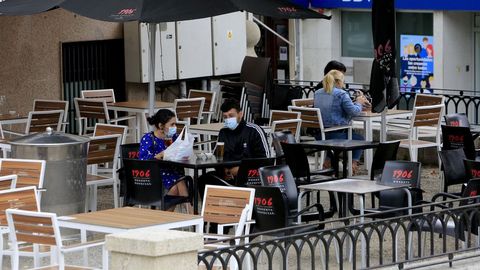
column 248, row 174
column 427, row 116
column 91, row 108
column 33, row 227
column 303, row 102
column 297, row 160
column 29, row 172
column 311, row 117
column 130, row 150
column 280, row 176
column 428, row 100
column 472, row 168
column 276, row 115
column 255, row 70
column 18, row 198
column 270, row 211
column 397, row 173
column 385, row 151
column 457, row 120
column 279, row 137
column 100, row 94
column 104, row 149
column 210, row 98
column 8, row 181
column 292, row 125
column 225, row 204
column 453, row 167
column 51, row 105
column 144, row 185
column 188, row 108
column 38, row 121
column 458, row 137
column 472, row 189
column 109, row 129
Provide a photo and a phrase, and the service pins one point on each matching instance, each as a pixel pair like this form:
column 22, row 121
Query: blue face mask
column 171, row 131
column 231, row 123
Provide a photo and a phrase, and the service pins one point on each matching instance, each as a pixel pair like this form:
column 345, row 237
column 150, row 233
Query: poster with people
column 416, row 58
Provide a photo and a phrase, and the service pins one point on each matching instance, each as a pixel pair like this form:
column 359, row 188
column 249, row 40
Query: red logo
column 455, row 138
column 287, row 9
column 127, row 11
column 455, row 123
column 473, row 193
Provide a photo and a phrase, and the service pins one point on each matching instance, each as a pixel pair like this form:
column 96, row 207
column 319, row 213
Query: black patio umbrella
column 155, row 11
column 383, row 80
column 26, row 7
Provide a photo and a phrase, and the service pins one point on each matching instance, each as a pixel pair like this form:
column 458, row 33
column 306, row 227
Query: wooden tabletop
column 389, row 113
column 129, row 217
column 5, row 117
column 354, row 186
column 141, row 104
column 340, row 144
column 208, row 127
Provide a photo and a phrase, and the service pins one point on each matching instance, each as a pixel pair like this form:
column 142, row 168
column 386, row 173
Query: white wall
column 453, row 43
column 321, row 43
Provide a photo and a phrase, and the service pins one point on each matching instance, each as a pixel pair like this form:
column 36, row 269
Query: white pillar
column 154, row 249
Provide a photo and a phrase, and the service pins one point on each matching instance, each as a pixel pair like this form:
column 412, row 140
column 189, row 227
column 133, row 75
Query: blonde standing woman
column 338, row 109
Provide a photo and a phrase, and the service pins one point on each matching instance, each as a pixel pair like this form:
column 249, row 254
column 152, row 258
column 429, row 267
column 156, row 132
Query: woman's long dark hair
column 161, row 117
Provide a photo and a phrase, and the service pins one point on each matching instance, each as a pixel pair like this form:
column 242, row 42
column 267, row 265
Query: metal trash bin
column 65, row 171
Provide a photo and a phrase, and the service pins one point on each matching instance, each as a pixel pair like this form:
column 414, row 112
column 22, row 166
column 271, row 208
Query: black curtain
column 383, row 81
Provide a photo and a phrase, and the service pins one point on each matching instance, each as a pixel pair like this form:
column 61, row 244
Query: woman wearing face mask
column 152, row 146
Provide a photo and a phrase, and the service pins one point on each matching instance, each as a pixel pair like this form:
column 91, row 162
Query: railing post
column 154, row 249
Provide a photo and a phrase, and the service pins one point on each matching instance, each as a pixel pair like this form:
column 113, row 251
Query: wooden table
column 140, row 108
column 128, row 218
column 367, row 117
column 353, row 186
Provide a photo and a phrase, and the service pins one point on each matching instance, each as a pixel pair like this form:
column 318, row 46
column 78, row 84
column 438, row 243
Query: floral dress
column 150, row 146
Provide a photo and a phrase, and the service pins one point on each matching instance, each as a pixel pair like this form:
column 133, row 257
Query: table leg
column 195, row 191
column 83, row 238
column 345, row 164
column 335, row 163
column 368, row 137
column 362, row 220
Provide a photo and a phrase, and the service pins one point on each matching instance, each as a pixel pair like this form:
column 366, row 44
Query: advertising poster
column 416, row 59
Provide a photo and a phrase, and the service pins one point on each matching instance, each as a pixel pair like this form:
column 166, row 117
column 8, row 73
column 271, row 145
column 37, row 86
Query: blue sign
column 416, row 61
column 465, row 5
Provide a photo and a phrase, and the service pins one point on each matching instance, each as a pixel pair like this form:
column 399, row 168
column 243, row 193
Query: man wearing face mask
column 241, row 139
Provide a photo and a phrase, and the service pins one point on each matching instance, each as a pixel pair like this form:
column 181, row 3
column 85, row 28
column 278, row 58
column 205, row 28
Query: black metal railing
column 433, row 232
column 456, row 101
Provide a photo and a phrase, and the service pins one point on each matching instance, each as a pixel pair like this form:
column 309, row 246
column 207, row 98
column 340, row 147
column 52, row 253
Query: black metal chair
column 472, row 168
column 454, row 172
column 398, row 173
column 384, row 152
column 457, row 120
column 272, row 212
column 279, row 137
column 459, row 222
column 130, row 150
column 281, row 177
column 297, row 159
column 248, row 172
column 458, row 137
column 144, row 185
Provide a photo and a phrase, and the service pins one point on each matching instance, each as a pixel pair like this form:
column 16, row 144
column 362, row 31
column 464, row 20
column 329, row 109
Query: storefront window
column 356, row 28
column 357, row 38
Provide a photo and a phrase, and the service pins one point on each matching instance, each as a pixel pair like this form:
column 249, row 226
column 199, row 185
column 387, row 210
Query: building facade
column 445, row 33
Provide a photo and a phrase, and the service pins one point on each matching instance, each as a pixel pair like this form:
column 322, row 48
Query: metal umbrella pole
column 151, row 71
